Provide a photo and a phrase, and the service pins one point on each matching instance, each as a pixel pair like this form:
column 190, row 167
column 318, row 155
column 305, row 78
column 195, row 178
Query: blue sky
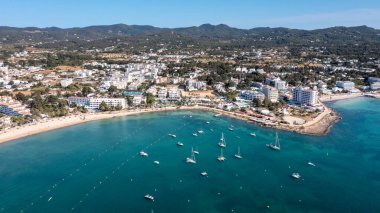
column 301, row 14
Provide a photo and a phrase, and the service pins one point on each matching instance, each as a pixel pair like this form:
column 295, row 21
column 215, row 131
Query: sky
column 245, row 14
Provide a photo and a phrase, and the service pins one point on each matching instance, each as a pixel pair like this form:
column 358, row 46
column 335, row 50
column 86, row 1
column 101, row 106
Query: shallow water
column 95, row 167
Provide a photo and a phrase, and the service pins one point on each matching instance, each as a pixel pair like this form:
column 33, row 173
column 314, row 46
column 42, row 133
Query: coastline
column 318, row 126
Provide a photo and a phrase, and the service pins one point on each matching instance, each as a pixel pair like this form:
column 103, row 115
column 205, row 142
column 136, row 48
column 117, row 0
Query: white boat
column 296, row 175
column 195, row 134
column 276, row 145
column 231, row 129
column 192, row 158
column 149, row 197
column 252, row 134
column 221, row 157
column 207, row 122
column 222, row 142
column 311, row 164
column 238, row 156
column 172, row 135
column 179, row 144
column 217, row 115
column 144, row 154
column 204, row 173
column 200, row 131
column 156, row 162
column 50, row 199
column 196, row 151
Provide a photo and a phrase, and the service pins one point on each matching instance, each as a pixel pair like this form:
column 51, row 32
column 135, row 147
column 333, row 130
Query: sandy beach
column 317, row 126
column 336, row 97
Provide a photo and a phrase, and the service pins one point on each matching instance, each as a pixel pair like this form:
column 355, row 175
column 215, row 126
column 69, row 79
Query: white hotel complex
column 94, row 103
column 305, row 96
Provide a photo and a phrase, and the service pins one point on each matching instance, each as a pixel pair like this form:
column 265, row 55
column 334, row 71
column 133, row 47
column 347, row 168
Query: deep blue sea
column 95, row 167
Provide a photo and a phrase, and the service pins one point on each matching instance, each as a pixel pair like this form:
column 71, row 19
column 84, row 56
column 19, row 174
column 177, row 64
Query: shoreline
column 316, row 127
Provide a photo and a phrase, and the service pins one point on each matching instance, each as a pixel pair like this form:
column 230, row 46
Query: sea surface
column 96, row 167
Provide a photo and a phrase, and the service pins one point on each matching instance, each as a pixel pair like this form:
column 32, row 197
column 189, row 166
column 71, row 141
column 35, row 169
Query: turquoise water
column 95, row 167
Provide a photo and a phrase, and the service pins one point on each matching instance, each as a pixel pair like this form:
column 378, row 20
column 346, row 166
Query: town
column 267, row 86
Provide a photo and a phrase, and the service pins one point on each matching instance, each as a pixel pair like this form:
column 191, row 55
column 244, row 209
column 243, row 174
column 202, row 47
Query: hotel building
column 305, row 96
column 94, row 103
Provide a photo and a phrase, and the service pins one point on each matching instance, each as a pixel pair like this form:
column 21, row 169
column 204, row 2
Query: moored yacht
column 200, row 131
column 149, row 197
column 195, row 134
column 204, row 173
column 156, row 162
column 276, row 145
column 311, row 164
column 221, row 157
column 238, row 156
column 192, row 158
column 222, row 142
column 179, row 144
column 172, row 135
column 196, row 151
column 143, row 154
column 296, row 175
column 252, row 134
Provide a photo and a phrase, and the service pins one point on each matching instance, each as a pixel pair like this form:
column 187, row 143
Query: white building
column 94, row 103
column 276, row 83
column 270, row 93
column 162, row 94
column 251, row 94
column 346, row 85
column 138, row 99
column 192, row 85
column 66, row 82
column 174, row 94
column 38, row 77
column 220, row 87
column 375, row 85
column 305, row 96
column 373, row 79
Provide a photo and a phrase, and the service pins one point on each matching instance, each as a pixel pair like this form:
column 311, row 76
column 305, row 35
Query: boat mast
column 277, row 141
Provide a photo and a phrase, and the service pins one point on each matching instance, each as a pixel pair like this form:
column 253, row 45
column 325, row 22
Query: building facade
column 305, row 96
column 94, row 103
column 270, row 93
column 250, row 95
column 346, row 85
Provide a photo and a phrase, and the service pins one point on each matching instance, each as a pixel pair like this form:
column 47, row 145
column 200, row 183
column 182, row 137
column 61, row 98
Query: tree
column 86, row 90
column 150, row 99
column 130, row 100
column 118, row 107
column 19, row 120
column 257, row 102
column 103, row 106
column 267, row 102
column 112, row 89
column 231, row 95
column 21, row 97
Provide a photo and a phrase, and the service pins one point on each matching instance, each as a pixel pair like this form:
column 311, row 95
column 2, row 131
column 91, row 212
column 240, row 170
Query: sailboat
column 196, row 151
column 192, row 158
column 221, row 157
column 222, row 142
column 276, row 145
column 238, row 156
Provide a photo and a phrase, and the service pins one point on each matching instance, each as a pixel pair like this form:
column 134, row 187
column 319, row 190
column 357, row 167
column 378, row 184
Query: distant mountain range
column 205, row 30
column 360, row 35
